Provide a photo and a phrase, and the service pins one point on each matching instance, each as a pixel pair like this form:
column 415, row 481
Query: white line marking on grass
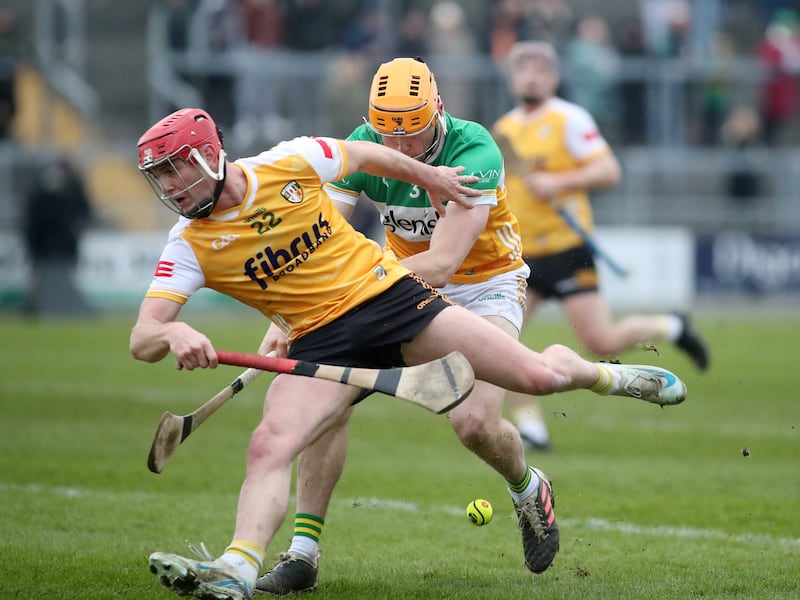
column 593, row 523
column 397, row 505
column 680, row 532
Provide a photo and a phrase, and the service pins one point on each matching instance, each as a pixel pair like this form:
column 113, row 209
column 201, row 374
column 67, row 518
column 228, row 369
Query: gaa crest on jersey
column 292, row 192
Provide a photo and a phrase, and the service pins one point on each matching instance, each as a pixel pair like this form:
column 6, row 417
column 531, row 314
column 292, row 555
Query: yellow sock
column 252, row 552
column 605, row 382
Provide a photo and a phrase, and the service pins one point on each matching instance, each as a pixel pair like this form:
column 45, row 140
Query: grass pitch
column 701, row 500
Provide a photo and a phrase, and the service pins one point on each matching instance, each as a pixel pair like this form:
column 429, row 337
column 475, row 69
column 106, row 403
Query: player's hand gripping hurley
column 515, row 164
column 437, row 386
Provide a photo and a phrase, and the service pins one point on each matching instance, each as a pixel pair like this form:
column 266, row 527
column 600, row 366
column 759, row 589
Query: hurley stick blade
column 437, row 386
column 172, row 429
column 169, row 435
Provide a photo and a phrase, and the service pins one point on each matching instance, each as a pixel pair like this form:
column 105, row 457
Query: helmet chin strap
column 203, row 208
column 435, row 148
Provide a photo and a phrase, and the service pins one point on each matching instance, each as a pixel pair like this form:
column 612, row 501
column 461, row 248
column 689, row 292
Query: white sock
column 305, row 547
column 673, row 327
column 247, row 571
column 529, row 490
column 609, row 380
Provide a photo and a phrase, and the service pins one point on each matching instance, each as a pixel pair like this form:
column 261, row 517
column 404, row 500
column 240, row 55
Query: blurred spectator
column 413, row 37
column 168, row 42
column 509, row 25
column 264, row 22
column 741, row 131
column 521, row 20
column 348, row 77
column 768, row 8
column 551, row 21
column 219, row 25
column 704, row 31
column 56, row 214
column 632, row 89
column 779, row 53
column 452, row 46
column 593, row 64
column 715, row 94
column 177, row 16
column 260, row 64
column 666, row 25
column 714, row 103
column 679, row 26
column 317, row 24
column 9, row 62
column 217, row 31
column 311, row 26
column 369, row 34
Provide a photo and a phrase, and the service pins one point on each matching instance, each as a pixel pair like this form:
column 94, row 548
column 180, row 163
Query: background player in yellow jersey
column 263, row 231
column 564, row 157
column 474, row 256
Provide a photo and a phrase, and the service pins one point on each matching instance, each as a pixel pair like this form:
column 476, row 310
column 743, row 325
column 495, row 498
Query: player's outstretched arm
column 442, row 183
column 157, row 333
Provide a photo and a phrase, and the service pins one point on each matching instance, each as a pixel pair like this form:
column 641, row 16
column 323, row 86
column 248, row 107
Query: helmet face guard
column 171, row 159
column 192, row 183
column 404, row 102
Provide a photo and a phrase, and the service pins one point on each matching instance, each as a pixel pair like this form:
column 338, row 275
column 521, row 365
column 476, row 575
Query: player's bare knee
column 469, row 425
column 474, row 435
column 267, row 449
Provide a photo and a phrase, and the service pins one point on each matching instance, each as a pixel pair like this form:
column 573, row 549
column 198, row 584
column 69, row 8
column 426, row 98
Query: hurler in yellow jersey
column 555, row 157
column 263, row 231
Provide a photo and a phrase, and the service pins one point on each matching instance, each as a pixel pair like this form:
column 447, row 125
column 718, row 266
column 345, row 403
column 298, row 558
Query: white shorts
column 501, row 296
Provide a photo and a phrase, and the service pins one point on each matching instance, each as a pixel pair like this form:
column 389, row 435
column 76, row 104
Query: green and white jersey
column 409, row 219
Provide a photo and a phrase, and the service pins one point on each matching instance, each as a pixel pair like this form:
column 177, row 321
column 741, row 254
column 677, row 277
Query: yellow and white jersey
column 558, row 136
column 285, row 250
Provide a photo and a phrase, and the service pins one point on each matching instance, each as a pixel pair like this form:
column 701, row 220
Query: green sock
column 520, row 486
column 523, row 489
column 307, row 531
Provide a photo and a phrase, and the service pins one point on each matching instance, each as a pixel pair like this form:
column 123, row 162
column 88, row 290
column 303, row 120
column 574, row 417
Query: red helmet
column 181, row 136
column 175, row 135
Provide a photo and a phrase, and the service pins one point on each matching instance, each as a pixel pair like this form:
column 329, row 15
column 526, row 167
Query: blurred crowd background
column 699, row 98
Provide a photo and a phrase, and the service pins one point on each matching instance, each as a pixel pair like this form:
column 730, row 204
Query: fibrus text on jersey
column 277, row 263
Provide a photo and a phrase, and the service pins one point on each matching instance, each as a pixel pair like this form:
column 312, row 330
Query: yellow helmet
column 404, row 101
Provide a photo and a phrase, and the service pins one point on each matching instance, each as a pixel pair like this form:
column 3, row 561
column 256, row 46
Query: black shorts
column 563, row 274
column 371, row 334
